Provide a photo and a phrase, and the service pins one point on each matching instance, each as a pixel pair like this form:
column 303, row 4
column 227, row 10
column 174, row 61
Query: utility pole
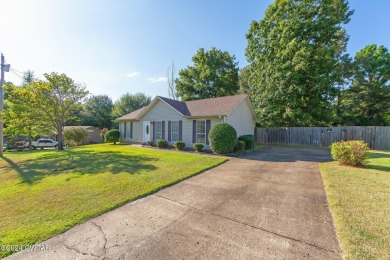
column 4, row 68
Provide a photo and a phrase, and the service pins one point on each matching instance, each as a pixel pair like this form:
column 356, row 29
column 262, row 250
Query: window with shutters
column 201, row 131
column 175, row 131
column 158, row 126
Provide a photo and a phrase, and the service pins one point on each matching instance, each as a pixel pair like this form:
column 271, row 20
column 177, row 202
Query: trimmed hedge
column 353, row 153
column 162, row 144
column 198, row 147
column 222, row 138
column 249, row 142
column 240, row 146
column 179, row 145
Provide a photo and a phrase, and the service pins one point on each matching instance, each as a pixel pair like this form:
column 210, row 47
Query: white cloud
column 132, row 74
column 157, row 79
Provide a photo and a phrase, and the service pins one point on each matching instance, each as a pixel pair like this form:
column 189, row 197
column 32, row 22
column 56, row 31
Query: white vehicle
column 44, row 143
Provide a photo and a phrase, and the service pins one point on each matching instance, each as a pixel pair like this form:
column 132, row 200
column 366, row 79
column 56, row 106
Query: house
column 188, row 121
column 93, row 134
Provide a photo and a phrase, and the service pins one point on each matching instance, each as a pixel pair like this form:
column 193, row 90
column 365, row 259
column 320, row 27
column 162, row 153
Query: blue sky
column 120, row 46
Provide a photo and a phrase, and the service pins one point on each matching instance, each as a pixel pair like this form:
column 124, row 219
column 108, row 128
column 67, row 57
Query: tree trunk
column 60, row 139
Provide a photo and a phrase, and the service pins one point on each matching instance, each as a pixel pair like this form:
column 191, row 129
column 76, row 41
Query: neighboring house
column 188, row 121
column 93, row 134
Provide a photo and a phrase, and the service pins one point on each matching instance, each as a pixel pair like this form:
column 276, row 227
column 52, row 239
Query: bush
column 150, row 143
column 353, row 153
column 222, row 138
column 75, row 135
column 240, row 146
column 198, row 147
column 112, row 136
column 249, row 142
column 162, row 144
column 179, row 145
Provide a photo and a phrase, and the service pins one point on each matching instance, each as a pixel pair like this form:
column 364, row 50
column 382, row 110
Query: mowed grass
column 44, row 193
column 359, row 199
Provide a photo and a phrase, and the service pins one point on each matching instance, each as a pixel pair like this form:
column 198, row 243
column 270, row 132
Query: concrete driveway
column 268, row 204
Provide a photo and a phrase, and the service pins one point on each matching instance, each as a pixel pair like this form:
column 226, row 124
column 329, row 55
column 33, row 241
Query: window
column 128, row 130
column 175, row 131
column 201, row 132
column 158, row 125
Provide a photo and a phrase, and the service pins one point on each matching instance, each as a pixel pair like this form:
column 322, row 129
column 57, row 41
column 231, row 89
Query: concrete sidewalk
column 269, row 204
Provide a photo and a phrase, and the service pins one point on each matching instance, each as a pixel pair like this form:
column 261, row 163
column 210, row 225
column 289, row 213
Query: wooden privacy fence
column 377, row 137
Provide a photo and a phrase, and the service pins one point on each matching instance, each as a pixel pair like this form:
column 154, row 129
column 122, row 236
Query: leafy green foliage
column 97, row 111
column 128, row 103
column 162, row 143
column 198, row 147
column 75, row 135
column 240, row 146
column 295, row 55
column 213, row 74
column 367, row 101
column 222, row 138
column 150, row 143
column 248, row 140
column 103, row 132
column 179, row 145
column 354, row 153
column 112, row 136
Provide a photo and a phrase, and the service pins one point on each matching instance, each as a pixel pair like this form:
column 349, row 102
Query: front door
column 146, row 131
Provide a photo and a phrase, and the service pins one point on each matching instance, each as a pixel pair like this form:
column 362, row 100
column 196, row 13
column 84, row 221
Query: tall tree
column 367, row 101
column 20, row 119
column 55, row 100
column 214, row 73
column 97, row 111
column 127, row 103
column 295, row 56
column 28, row 77
column 244, row 81
column 172, row 90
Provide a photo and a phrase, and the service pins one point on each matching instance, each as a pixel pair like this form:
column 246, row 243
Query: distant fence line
column 377, row 137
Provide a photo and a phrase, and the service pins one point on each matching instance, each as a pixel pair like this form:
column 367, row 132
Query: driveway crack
column 252, row 226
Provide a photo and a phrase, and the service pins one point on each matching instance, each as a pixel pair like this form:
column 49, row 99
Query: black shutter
column 131, row 130
column 180, row 130
column 208, row 126
column 154, row 130
column 194, row 131
column 163, row 130
column 125, row 129
column 169, row 131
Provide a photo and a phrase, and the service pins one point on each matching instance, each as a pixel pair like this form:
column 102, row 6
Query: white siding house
column 189, row 121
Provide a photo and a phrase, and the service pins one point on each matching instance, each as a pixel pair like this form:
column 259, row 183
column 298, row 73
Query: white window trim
column 178, row 131
column 197, row 121
column 155, row 131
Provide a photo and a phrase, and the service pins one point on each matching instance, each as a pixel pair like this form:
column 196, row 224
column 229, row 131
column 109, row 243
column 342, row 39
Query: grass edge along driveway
column 359, row 199
column 44, row 193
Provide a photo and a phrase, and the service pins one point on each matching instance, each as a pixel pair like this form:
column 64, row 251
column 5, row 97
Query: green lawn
column 359, row 199
column 44, row 193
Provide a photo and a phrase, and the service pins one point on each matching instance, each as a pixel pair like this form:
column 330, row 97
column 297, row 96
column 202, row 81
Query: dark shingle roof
column 203, row 107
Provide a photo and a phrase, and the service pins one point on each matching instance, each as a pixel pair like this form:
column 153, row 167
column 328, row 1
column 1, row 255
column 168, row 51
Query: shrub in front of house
column 112, row 136
column 162, row 144
column 179, row 145
column 240, row 146
column 222, row 138
column 198, row 147
column 150, row 143
column 249, row 142
column 353, row 153
column 75, row 135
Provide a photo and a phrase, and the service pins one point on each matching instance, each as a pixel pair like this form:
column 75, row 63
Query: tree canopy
column 295, row 54
column 97, row 111
column 127, row 103
column 214, row 73
column 367, row 100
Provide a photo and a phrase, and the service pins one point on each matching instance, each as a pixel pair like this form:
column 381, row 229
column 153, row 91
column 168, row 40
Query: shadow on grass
column 81, row 162
column 382, row 168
